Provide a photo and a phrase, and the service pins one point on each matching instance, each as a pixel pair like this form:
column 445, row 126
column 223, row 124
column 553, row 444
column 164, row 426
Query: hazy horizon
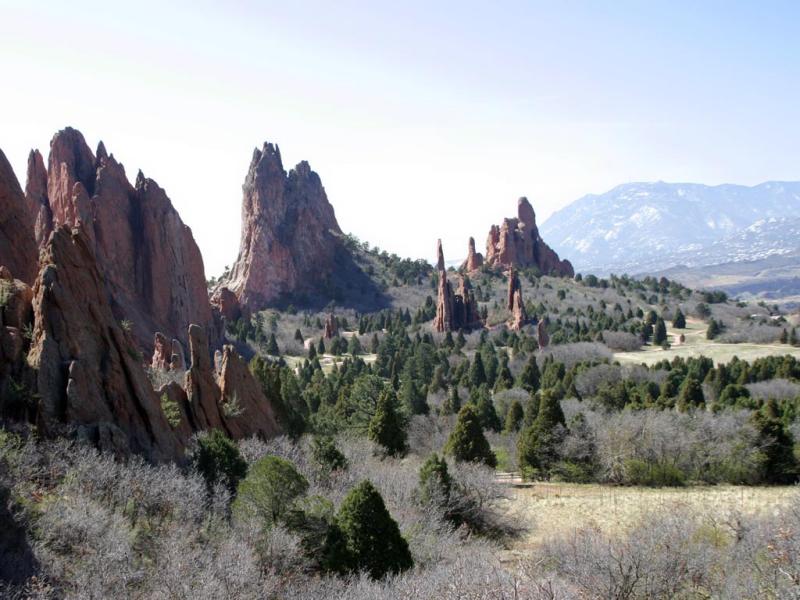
column 422, row 122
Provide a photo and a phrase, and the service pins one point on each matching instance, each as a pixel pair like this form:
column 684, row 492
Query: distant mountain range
column 641, row 228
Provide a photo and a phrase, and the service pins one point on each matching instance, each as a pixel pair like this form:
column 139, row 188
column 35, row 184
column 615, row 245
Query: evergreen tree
column 504, row 381
column 530, row 378
column 410, row 396
column 312, row 352
column 784, row 336
column 691, row 393
column 477, row 374
column 713, row 329
column 270, row 489
column 467, row 442
column 434, row 481
column 793, row 337
column 452, row 404
column 659, row 332
column 514, row 417
column 484, row 407
column 387, row 427
column 779, row 462
column 218, row 459
column 538, row 444
column 371, row 536
column 298, row 335
column 679, row 322
column 354, row 346
column 272, row 346
column 321, row 347
column 326, row 454
column 491, row 365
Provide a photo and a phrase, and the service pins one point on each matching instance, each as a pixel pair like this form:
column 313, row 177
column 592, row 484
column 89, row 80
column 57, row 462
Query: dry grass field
column 697, row 345
column 556, row 510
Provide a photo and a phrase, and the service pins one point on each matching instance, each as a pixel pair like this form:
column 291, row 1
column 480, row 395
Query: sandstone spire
column 515, row 303
column 516, row 242
column 454, row 311
column 474, row 259
column 148, row 257
column 289, row 232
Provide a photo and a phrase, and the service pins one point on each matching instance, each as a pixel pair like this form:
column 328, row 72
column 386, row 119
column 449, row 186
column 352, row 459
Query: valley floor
column 557, row 510
column 697, row 345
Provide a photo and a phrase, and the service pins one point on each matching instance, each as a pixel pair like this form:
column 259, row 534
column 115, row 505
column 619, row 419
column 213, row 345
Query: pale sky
column 423, row 119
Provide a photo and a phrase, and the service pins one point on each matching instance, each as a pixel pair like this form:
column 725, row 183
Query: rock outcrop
column 16, row 316
column 517, row 243
column 88, row 372
column 541, row 334
column 289, row 232
column 454, row 310
column 18, row 251
column 151, row 264
column 474, row 259
column 227, row 303
column 515, row 303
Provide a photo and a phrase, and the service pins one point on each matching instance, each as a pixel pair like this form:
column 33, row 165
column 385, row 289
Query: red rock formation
column 289, row 232
column 227, row 303
column 454, row 311
column 515, row 303
column 151, row 264
column 16, row 314
column 18, row 249
column 245, row 409
column 331, row 326
column 227, row 397
column 177, row 361
column 474, row 259
column 541, row 334
column 162, row 353
column 517, row 243
column 88, row 372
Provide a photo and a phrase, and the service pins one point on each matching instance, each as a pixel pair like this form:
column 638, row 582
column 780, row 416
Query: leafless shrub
column 778, row 389
column 571, row 354
column 622, row 340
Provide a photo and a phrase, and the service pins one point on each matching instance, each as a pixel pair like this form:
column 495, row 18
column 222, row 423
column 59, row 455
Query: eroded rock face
column 18, row 250
column 89, row 373
column 517, row 243
column 515, row 303
column 16, row 316
column 225, row 394
column 454, row 310
column 289, row 232
column 162, row 353
column 541, row 334
column 227, row 303
column 151, row 264
column 474, row 259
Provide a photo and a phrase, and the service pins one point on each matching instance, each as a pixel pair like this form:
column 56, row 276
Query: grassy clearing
column 557, row 510
column 697, row 345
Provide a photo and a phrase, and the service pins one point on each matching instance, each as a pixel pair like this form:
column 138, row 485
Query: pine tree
column 514, row 417
column 530, row 378
column 298, row 335
column 504, row 381
column 434, row 481
column 780, row 465
column 477, row 374
column 713, row 329
column 411, row 396
column 321, row 347
column 691, row 393
column 371, row 536
column 679, row 322
column 452, row 404
column 354, row 346
column 784, row 336
column 659, row 332
column 538, row 443
column 272, row 346
column 484, row 407
column 269, row 490
column 467, row 442
column 793, row 337
column 387, row 427
column 218, row 460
